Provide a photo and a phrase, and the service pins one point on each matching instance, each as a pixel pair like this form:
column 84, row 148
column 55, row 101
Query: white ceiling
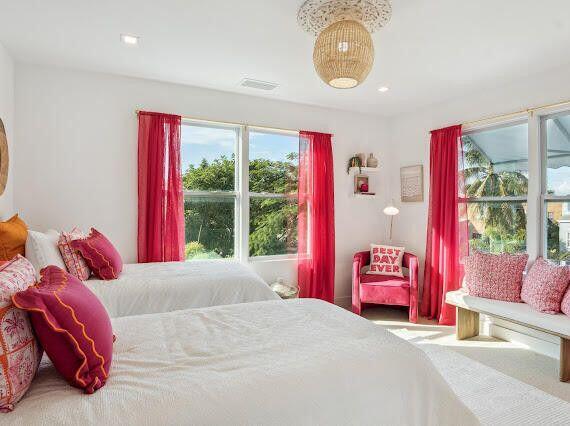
column 432, row 50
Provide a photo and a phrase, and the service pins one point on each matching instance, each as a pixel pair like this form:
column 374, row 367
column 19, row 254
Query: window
column 223, row 218
column 210, row 184
column 495, row 171
column 273, row 170
column 555, row 135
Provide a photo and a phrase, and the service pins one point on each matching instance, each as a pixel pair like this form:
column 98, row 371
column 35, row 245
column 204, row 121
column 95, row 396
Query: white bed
column 146, row 288
column 301, row 362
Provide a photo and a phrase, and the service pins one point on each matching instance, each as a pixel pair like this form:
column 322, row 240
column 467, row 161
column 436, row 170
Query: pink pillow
column 72, row 325
column 73, row 261
column 495, row 276
column 20, row 352
column 544, row 286
column 386, row 260
column 101, row 256
column 565, row 305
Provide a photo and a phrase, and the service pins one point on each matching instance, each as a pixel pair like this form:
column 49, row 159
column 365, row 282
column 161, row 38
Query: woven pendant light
column 344, row 54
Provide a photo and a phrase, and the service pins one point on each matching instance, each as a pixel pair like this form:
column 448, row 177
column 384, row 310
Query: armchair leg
column 413, row 314
column 357, row 307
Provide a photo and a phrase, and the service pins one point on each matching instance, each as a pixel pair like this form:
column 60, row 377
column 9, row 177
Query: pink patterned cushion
column 495, row 276
column 544, row 286
column 72, row 325
column 386, row 260
column 75, row 264
column 565, row 305
column 20, row 352
column 101, row 256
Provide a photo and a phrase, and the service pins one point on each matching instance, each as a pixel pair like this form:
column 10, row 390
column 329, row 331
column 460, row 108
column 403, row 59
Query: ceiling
column 431, row 51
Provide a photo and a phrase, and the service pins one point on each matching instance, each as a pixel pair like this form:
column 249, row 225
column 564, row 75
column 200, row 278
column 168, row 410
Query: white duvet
column 266, row 363
column 146, row 288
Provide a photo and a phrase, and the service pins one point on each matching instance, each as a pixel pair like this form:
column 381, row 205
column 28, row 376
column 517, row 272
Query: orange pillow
column 13, row 234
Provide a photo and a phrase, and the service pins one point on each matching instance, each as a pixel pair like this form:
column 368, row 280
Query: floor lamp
column 391, row 210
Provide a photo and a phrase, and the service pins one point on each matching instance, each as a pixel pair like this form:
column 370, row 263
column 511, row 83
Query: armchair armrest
column 411, row 262
column 359, row 260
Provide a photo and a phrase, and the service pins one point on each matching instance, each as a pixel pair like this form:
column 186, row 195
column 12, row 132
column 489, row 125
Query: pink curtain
column 161, row 200
column 316, row 217
column 442, row 269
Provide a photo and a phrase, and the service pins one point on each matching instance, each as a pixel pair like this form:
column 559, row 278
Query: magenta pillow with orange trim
column 72, row 326
column 100, row 255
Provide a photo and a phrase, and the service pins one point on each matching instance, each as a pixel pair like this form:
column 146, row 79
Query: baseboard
column 542, row 343
column 344, row 302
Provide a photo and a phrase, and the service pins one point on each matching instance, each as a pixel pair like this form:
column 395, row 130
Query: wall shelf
column 371, row 197
column 365, row 170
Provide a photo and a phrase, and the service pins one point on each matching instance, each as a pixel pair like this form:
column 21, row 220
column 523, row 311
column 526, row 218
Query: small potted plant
column 355, row 161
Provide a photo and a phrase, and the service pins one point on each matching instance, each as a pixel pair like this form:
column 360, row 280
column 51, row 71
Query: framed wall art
column 412, row 183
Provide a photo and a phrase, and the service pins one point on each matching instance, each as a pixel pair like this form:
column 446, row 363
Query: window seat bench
column 469, row 308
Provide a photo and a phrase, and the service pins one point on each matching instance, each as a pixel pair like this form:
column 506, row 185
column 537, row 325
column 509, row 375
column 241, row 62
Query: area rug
column 494, row 397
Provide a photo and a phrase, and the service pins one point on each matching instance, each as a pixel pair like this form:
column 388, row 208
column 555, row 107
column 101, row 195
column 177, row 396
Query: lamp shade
column 391, row 210
column 344, row 54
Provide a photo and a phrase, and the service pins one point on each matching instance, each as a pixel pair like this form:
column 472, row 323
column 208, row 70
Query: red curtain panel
column 442, row 269
column 161, row 200
column 316, row 245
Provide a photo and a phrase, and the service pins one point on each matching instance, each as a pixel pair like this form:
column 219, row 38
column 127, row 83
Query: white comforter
column 266, row 363
column 147, row 288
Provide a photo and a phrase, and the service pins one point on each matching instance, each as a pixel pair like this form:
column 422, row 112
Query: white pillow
column 42, row 250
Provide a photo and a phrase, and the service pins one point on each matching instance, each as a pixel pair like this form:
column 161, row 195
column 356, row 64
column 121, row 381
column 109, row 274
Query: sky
column 200, row 142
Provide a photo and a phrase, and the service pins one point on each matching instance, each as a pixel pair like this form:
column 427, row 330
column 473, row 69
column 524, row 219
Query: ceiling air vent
column 258, row 84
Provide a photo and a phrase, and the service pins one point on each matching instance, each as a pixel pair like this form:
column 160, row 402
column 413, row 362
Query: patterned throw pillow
column 565, row 305
column 495, row 276
column 74, row 262
column 100, row 254
column 386, row 260
column 73, row 327
column 544, row 286
column 20, row 352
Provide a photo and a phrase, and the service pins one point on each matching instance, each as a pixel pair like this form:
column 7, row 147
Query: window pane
column 495, row 162
column 272, row 226
column 209, row 227
column 208, row 157
column 273, row 162
column 557, row 131
column 558, row 231
column 497, row 227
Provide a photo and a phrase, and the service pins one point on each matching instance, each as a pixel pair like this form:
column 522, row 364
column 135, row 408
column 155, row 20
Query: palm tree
column 504, row 222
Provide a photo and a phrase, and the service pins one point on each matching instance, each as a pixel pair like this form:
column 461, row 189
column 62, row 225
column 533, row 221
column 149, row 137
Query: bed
column 146, row 288
column 299, row 362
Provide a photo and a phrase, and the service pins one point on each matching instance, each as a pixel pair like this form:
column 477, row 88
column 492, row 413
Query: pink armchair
column 382, row 289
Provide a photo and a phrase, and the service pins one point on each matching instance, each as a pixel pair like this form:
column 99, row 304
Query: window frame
column 266, row 195
column 510, row 199
column 236, row 193
column 545, row 198
column 241, row 194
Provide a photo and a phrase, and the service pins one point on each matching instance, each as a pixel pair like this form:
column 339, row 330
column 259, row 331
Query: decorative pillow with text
column 386, row 260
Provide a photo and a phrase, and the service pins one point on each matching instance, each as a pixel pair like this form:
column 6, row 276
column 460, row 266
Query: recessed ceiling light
column 383, row 89
column 129, row 39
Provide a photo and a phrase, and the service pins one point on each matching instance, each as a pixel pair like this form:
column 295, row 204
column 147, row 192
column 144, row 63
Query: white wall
column 7, row 116
column 77, row 153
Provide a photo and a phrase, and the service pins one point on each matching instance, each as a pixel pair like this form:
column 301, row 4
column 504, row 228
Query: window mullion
column 242, row 234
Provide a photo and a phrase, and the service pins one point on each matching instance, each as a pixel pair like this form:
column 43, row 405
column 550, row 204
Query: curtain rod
column 517, row 113
column 231, row 123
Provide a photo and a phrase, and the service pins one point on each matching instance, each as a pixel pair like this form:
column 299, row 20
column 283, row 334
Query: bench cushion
column 521, row 313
